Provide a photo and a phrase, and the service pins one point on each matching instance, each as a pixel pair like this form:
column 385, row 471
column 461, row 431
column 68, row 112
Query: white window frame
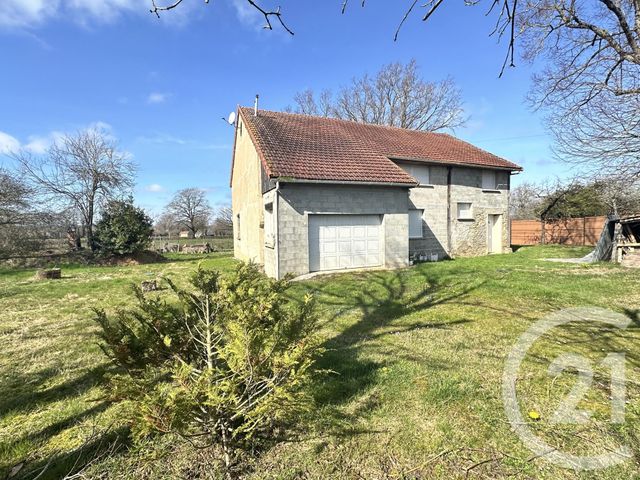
column 413, row 230
column 412, row 170
column 460, row 216
column 489, row 180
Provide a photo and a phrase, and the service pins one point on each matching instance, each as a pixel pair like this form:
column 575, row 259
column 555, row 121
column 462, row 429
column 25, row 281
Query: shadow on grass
column 24, row 393
column 379, row 301
column 72, row 464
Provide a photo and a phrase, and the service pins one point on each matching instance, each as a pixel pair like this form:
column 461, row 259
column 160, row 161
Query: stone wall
column 298, row 200
column 469, row 237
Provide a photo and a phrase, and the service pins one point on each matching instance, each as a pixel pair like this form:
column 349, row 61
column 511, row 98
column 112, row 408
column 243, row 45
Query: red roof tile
column 325, row 149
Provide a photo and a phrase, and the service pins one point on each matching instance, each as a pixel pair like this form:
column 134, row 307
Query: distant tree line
column 552, row 200
column 83, row 182
column 190, row 211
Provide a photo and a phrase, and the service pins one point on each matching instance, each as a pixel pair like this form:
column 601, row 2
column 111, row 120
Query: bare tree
column 80, row 171
column 524, row 201
column 190, row 209
column 396, row 96
column 306, row 103
column 591, row 84
column 165, row 224
column 224, row 217
column 14, row 198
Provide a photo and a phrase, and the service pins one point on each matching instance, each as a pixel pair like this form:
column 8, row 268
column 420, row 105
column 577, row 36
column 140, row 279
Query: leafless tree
column 396, row 96
column 190, row 209
column 224, row 217
column 591, row 84
column 165, row 224
column 524, row 200
column 81, row 171
column 14, row 198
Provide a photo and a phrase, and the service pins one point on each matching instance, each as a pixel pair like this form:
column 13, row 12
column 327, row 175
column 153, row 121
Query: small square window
column 465, row 211
column 415, row 223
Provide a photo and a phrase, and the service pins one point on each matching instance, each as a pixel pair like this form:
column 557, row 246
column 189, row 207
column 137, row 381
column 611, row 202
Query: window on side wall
column 238, row 226
column 420, row 172
column 489, row 180
column 465, row 211
column 269, row 230
column 415, row 223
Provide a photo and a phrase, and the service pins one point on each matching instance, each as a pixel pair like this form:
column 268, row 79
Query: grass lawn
column 417, row 356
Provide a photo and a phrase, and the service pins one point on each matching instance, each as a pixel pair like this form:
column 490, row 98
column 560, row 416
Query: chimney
column 255, row 106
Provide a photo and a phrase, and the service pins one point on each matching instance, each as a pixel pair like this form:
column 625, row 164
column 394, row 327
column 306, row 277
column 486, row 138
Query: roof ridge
column 351, row 122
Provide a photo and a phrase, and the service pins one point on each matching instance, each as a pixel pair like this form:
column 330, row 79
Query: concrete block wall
column 469, row 237
column 433, row 200
column 298, row 200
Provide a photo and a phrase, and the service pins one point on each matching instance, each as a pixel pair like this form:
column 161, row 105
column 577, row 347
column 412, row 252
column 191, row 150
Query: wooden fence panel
column 570, row 231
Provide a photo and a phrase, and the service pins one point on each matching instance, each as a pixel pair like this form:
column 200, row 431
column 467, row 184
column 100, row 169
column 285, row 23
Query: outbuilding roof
column 304, row 147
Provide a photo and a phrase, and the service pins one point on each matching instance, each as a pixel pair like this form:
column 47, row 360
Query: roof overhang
column 397, row 158
column 343, row 182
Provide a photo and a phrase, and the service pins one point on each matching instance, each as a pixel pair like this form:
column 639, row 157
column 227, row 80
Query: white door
column 494, row 234
column 344, row 241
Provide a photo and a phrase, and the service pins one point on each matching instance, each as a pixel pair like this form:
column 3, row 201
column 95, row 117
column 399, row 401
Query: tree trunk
column 90, row 239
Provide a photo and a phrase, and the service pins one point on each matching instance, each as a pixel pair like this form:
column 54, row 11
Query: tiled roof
column 326, row 149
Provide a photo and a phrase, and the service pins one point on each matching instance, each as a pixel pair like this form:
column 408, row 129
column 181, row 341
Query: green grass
column 417, row 356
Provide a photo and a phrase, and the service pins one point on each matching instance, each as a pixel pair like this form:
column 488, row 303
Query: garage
column 344, row 241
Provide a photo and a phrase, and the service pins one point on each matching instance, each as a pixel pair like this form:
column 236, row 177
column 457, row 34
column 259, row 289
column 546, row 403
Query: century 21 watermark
column 568, row 412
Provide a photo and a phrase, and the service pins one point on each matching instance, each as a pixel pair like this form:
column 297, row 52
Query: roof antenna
column 255, row 106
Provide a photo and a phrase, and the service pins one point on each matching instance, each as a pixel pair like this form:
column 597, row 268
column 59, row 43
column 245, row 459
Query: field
column 219, row 244
column 416, row 355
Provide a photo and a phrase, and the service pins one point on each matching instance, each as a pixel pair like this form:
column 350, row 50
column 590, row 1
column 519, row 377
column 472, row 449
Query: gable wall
column 246, row 199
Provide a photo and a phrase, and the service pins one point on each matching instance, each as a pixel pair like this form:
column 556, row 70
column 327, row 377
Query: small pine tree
column 123, row 229
column 226, row 363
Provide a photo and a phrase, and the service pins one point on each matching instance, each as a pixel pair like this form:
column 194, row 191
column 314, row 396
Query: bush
column 226, row 364
column 123, row 229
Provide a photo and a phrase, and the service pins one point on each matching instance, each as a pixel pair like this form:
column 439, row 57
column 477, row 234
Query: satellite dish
column 232, row 118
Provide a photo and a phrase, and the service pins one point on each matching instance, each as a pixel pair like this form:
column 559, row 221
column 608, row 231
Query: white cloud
column 157, row 97
column 154, row 187
column 26, row 13
column 8, row 143
column 21, row 14
column 39, row 144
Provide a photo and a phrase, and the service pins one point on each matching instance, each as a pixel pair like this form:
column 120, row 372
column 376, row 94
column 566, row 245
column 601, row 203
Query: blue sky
column 162, row 86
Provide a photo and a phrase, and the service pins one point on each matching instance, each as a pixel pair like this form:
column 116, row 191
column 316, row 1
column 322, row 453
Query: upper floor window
column 420, row 172
column 489, row 180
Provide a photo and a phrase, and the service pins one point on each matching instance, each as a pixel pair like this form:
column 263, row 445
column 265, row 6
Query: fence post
column 584, row 231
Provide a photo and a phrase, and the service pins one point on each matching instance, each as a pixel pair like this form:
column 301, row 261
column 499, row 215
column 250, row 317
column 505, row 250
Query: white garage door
column 344, row 241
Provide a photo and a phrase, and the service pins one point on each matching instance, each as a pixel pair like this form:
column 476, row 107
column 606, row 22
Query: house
column 312, row 194
column 185, row 234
